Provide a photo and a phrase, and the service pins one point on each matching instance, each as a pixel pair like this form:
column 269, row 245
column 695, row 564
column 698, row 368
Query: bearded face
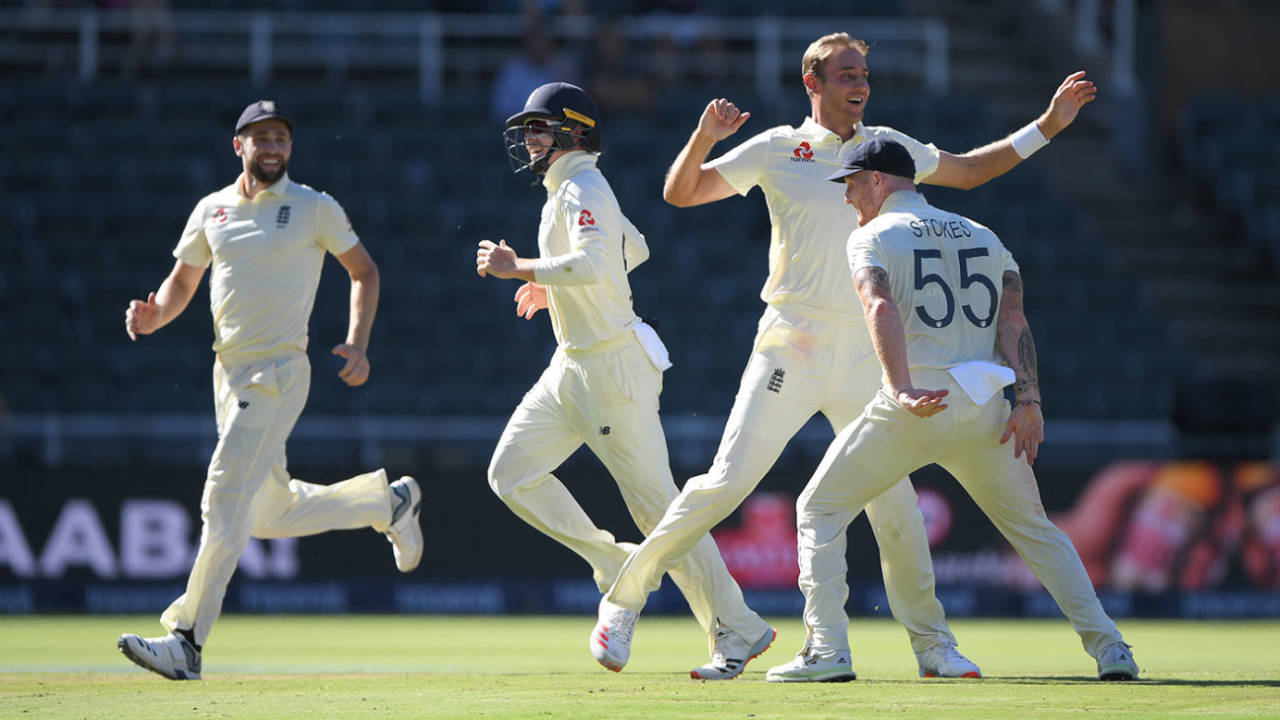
column 265, row 147
column 267, row 169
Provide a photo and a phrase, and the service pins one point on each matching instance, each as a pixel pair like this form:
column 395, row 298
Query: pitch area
column 538, row 667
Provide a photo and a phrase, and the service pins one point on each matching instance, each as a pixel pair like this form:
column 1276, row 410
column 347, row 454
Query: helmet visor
column 530, row 144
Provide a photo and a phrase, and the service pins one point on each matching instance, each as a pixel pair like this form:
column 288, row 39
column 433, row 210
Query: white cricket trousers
column 887, row 441
column 804, row 362
column 248, row 492
column 608, row 399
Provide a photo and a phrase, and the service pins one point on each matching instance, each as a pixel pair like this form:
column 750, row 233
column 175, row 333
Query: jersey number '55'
column 967, row 279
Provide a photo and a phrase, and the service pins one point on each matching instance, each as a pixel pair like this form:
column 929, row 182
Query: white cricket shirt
column 810, row 219
column 266, row 256
column 586, row 247
column 946, row 274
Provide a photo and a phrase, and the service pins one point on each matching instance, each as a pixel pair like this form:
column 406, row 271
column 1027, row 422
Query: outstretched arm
column 688, row 183
column 365, row 286
column 995, row 159
column 144, row 317
column 1014, row 341
column 885, row 325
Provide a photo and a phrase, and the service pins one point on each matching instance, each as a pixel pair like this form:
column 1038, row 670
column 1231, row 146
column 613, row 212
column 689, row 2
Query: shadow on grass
column 1086, row 680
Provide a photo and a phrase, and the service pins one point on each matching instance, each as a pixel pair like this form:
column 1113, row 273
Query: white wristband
column 1027, row 140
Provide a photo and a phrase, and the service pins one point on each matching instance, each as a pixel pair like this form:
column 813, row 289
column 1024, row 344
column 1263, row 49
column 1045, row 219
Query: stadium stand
column 98, row 177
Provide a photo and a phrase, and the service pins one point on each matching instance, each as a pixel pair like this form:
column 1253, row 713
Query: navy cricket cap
column 261, row 110
column 887, row 156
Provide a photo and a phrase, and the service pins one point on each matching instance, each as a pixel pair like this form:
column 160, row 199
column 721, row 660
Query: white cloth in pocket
column 652, row 344
column 980, row 379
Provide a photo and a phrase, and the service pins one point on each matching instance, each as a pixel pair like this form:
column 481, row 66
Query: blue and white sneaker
column 171, row 656
column 731, row 654
column 405, row 533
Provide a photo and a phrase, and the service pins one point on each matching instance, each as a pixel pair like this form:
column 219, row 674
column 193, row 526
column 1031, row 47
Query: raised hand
column 721, row 119
column 1074, row 93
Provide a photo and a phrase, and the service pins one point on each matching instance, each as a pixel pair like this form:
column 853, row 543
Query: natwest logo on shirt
column 585, row 218
column 802, row 153
column 220, row 216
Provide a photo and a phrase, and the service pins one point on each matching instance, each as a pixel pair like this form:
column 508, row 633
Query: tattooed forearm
column 1027, row 368
column 1012, row 282
column 1013, row 339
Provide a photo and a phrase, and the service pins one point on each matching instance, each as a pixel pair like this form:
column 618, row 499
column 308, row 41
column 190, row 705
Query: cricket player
column 942, row 299
column 604, row 379
column 265, row 237
column 811, row 351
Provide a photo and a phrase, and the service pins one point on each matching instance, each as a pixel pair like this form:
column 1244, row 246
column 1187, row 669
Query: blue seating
column 1233, row 147
column 422, row 186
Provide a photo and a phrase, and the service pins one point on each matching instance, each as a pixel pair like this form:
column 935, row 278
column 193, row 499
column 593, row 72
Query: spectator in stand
column 614, row 78
column 538, row 63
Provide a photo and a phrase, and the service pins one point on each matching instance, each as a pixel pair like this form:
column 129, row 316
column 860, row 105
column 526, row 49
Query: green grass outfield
column 389, row 667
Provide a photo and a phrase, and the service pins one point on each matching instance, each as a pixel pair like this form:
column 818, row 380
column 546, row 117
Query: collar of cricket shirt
column 811, row 130
column 902, row 198
column 567, row 166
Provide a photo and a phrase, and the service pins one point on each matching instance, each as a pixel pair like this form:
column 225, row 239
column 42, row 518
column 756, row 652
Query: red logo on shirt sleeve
column 584, row 218
column 220, row 215
column 803, row 151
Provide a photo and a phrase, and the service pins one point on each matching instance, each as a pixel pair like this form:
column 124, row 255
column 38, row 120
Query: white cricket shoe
column 945, row 661
column 813, row 667
column 405, row 533
column 731, row 654
column 171, row 656
column 611, row 639
column 1116, row 662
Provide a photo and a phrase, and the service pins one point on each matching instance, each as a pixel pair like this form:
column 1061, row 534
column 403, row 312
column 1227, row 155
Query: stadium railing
column 434, row 46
